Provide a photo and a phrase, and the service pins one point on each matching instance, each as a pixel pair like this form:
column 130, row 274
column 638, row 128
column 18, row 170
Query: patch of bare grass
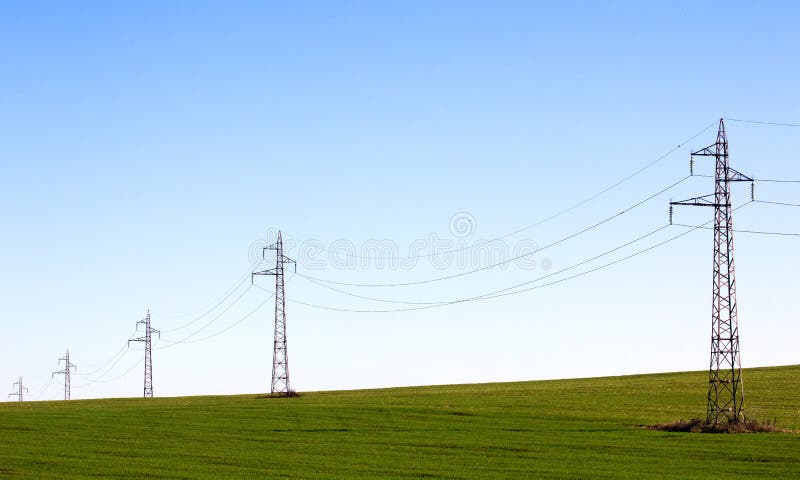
column 291, row 394
column 696, row 425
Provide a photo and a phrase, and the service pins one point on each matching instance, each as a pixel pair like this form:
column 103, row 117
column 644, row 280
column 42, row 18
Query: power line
column 186, row 339
column 618, row 183
column 100, row 378
column 770, row 180
column 39, row 392
column 227, row 295
column 509, row 260
column 606, row 265
column 217, row 317
column 445, row 302
column 759, row 232
column 242, row 319
column 113, row 360
column 211, row 305
column 109, row 380
column 553, row 216
column 777, row 124
column 507, row 293
column 779, row 203
column 109, row 367
column 236, row 323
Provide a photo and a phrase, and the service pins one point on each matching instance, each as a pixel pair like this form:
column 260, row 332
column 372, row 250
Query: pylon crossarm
column 734, row 176
column 269, row 271
column 702, row 201
column 708, row 151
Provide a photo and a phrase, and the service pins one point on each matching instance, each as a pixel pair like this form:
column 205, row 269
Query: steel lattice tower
column 148, row 353
column 725, row 390
column 280, row 356
column 66, row 372
column 19, row 388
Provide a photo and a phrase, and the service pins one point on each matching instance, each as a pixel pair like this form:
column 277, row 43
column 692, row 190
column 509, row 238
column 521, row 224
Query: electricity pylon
column 280, row 357
column 66, row 372
column 19, row 389
column 148, row 353
column 725, row 391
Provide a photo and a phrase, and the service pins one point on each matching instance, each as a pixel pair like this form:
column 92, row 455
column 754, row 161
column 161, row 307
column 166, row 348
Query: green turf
column 585, row 428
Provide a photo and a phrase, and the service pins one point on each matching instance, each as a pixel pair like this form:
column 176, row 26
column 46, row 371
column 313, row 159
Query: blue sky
column 145, row 148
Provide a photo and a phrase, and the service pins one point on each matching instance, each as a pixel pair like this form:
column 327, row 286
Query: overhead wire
column 759, row 122
column 111, row 361
column 443, row 302
column 207, row 324
column 101, row 379
column 213, row 307
column 112, row 379
column 770, row 180
column 242, row 319
column 234, row 287
column 41, row 390
column 614, row 262
column 555, row 215
column 785, row 204
column 229, row 327
column 506, row 291
column 759, row 232
column 109, row 369
column 506, row 261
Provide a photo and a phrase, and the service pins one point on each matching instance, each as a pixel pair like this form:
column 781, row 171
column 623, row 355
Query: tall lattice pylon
column 148, row 352
column 725, row 390
column 18, row 389
column 66, row 372
column 280, row 356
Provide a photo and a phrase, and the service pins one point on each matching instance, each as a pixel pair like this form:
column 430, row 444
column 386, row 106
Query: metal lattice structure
column 19, row 389
column 280, row 357
column 148, row 353
column 66, row 372
column 725, row 391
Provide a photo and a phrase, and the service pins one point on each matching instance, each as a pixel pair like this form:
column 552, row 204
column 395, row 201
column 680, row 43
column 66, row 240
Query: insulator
column 670, row 214
column 691, row 165
column 752, row 191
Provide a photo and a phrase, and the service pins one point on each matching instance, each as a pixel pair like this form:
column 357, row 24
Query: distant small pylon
column 66, row 372
column 19, row 389
column 148, row 353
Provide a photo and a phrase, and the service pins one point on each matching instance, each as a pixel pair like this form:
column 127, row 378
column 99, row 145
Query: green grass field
column 585, row 428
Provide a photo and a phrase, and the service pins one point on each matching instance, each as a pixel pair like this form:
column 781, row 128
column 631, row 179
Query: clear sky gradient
column 148, row 148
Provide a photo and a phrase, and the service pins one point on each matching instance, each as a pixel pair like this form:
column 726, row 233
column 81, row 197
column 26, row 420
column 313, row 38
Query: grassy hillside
column 586, row 428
